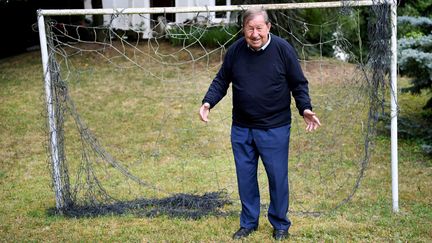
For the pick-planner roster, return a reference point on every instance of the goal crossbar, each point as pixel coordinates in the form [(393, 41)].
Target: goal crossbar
[(194, 9)]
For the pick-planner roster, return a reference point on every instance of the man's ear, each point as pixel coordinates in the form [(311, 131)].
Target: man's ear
[(269, 25)]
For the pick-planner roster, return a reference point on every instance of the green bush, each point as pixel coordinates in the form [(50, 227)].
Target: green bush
[(213, 36), (415, 62), (415, 55)]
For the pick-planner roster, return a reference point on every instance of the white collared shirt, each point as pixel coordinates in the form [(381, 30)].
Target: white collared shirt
[(264, 46)]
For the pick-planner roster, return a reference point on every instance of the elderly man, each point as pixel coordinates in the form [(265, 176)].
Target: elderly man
[(264, 72)]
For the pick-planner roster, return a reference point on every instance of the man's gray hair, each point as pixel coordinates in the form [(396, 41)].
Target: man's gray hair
[(252, 12)]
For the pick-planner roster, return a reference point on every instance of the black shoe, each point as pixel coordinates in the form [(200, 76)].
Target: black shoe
[(280, 234), (242, 233)]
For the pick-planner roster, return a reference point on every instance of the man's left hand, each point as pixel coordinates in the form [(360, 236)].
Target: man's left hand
[(311, 120)]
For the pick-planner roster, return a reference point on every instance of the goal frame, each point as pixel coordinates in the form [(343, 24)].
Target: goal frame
[(53, 136)]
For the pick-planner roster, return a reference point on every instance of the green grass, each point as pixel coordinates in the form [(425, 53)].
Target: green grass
[(152, 125)]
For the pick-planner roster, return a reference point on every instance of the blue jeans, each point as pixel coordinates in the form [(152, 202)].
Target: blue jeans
[(271, 145)]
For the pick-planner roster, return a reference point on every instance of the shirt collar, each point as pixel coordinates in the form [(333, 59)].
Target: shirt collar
[(264, 46)]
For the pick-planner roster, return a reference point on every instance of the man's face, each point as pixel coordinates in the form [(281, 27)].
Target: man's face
[(256, 32)]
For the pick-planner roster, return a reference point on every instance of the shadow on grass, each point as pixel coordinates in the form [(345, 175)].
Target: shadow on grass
[(187, 206)]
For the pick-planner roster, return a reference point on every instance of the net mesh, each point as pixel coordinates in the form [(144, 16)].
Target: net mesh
[(129, 139)]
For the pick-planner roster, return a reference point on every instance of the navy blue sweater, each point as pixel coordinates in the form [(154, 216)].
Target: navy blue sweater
[(262, 84)]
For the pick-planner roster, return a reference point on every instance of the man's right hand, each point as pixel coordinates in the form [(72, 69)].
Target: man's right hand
[(204, 112)]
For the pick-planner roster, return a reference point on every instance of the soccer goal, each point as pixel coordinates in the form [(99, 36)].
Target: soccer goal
[(122, 100)]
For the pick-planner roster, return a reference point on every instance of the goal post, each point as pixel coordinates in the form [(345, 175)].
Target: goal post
[(53, 144), (394, 108), (54, 150)]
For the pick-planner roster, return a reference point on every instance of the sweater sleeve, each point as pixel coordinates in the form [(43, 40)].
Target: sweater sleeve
[(297, 81), (220, 84)]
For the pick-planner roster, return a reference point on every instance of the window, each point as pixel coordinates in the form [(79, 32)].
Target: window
[(221, 15)]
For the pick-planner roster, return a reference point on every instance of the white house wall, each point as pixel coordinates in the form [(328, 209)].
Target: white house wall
[(182, 17), (136, 22), (142, 22)]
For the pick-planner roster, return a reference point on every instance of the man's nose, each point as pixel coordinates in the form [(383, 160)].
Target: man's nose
[(255, 33)]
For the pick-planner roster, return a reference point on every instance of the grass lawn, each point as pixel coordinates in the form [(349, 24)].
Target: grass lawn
[(147, 118)]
